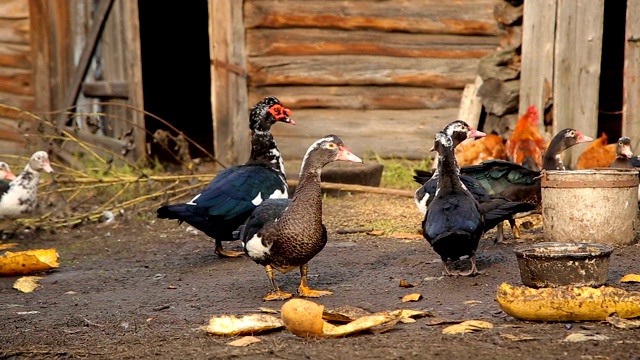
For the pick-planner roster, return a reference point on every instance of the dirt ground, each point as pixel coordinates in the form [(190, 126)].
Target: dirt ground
[(141, 289)]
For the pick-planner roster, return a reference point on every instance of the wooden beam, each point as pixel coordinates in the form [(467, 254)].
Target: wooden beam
[(106, 89), (631, 95), (538, 39), (93, 36), (229, 97), (578, 52)]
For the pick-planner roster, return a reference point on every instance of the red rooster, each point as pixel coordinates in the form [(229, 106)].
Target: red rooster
[(526, 145)]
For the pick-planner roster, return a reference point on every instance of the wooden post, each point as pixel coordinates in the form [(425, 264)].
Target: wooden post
[(229, 97), (577, 69), (538, 39), (631, 95)]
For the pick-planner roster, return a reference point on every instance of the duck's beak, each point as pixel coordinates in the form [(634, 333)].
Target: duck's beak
[(10, 175), (473, 133), (46, 166), (583, 138), (347, 155), (626, 151)]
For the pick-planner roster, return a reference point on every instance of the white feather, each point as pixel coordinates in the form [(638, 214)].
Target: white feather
[(255, 249)]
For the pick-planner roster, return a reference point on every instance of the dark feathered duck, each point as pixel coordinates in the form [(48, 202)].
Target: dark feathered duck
[(284, 234), (228, 200), (20, 197), (495, 209), (454, 222), (623, 154)]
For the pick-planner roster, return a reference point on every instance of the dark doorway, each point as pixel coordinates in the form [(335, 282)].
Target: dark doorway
[(176, 77), (611, 70)]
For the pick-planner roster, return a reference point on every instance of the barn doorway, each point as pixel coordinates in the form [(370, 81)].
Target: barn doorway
[(612, 70), (174, 41)]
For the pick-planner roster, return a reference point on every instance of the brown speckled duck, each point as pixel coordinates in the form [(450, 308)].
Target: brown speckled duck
[(284, 234)]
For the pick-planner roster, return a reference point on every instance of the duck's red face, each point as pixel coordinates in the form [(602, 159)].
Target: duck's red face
[(281, 113)]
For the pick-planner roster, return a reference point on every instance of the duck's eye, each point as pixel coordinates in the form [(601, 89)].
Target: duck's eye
[(332, 146), (572, 133)]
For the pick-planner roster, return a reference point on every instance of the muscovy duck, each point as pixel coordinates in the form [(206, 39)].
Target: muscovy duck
[(20, 198), (6, 176), (284, 234), (459, 131), (516, 182), (228, 200), (454, 222), (623, 154)]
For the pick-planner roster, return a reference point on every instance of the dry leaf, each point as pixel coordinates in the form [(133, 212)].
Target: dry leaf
[(409, 313), (249, 324), (518, 337), (467, 327), (620, 323), (584, 336), (344, 314), (406, 236), (268, 310), (405, 284), (376, 232), (472, 302), (442, 321), (630, 278), (25, 262), (244, 341), (27, 284), (411, 297)]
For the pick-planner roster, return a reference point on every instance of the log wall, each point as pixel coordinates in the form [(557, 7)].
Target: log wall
[(385, 75)]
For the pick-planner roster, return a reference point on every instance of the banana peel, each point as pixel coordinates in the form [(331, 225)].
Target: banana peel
[(567, 303), (27, 262)]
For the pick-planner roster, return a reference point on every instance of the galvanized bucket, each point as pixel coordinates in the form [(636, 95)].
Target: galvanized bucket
[(592, 206)]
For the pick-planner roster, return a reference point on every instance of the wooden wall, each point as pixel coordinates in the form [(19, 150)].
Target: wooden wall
[(16, 75), (384, 75)]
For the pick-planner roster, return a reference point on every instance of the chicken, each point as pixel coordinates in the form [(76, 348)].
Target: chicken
[(526, 145), (473, 152), (599, 154)]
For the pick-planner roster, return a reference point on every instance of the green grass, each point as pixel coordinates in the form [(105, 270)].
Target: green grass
[(398, 173)]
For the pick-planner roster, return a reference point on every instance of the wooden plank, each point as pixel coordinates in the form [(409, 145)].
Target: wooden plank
[(267, 42), (229, 97), (106, 89), (23, 102), (361, 70), (577, 69), (471, 17), (471, 104), (536, 71), (14, 31), (359, 97), (15, 55), (14, 9), (388, 133), (631, 95), (17, 81)]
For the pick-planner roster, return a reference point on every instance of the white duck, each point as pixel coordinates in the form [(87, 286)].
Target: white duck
[(19, 199)]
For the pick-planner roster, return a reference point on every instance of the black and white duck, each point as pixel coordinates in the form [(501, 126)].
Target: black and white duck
[(20, 197), (228, 200), (284, 234), (454, 223), (6, 177), (623, 154)]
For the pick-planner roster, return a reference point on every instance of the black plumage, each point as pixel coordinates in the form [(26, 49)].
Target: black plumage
[(623, 154), (454, 222), (228, 200), (285, 234)]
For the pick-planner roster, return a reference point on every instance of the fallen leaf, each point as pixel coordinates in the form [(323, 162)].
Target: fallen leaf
[(249, 324), (376, 232), (409, 313), (442, 321), (407, 320), (518, 337), (411, 297), (630, 278), (344, 314), (27, 284), (71, 292), (244, 341), (467, 327), (25, 262), (584, 336), (405, 284), (472, 302), (620, 323), (406, 236), (268, 310)]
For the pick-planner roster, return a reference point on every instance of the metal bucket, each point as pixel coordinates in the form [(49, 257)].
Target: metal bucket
[(591, 206)]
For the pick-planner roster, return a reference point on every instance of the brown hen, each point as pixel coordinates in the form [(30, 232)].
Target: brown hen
[(599, 154), (526, 145), (475, 151)]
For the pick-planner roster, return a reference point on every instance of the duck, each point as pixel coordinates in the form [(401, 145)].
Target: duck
[(20, 197), (453, 224), (623, 154), (284, 234), (495, 209), (228, 200), (518, 183), (6, 177)]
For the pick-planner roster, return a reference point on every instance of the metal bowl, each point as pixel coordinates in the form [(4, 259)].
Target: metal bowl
[(552, 264)]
